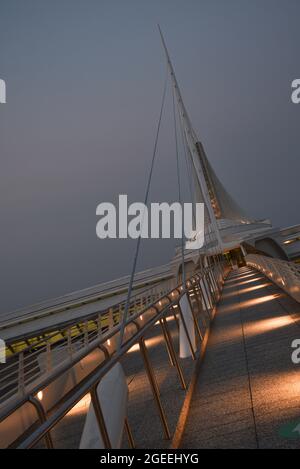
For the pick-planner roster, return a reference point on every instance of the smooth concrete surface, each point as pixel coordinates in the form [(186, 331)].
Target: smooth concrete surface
[(248, 389)]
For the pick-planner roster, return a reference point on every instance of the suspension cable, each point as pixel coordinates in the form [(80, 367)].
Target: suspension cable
[(137, 248)]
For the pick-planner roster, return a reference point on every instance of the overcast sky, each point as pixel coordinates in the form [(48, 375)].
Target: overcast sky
[(84, 82)]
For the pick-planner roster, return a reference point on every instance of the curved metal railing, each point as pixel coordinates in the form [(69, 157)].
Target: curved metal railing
[(22, 368), (42, 370), (285, 274)]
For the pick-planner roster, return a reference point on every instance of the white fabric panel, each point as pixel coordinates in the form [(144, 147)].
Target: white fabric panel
[(113, 397)]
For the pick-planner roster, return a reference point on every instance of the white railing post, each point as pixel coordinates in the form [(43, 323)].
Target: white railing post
[(184, 345)]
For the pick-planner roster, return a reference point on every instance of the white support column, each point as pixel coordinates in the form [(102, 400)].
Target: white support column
[(185, 350), (113, 398)]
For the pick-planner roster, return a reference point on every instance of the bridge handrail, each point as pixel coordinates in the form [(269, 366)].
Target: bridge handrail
[(85, 317), (285, 274), (27, 357), (66, 304), (160, 306), (83, 339)]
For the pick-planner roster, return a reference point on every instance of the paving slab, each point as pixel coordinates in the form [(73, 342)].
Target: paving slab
[(248, 389)]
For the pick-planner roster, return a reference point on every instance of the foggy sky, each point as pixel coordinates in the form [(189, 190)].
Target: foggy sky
[(84, 82)]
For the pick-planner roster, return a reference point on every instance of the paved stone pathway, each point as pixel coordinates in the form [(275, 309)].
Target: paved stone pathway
[(248, 390)]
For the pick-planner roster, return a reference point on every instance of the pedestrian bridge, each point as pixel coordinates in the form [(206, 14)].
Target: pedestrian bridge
[(247, 393), (192, 354), (237, 388)]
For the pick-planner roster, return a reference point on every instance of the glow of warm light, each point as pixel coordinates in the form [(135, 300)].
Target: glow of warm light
[(81, 407), (258, 301), (149, 343), (134, 348), (246, 290), (288, 241), (169, 318), (241, 277), (256, 279), (240, 284), (255, 287), (40, 395), (141, 318), (267, 325), (249, 303), (108, 342), (256, 328)]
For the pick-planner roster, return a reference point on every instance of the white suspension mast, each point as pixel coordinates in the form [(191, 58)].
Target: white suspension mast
[(191, 140)]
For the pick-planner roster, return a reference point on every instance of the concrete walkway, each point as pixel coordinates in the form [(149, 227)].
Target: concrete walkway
[(248, 390)]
